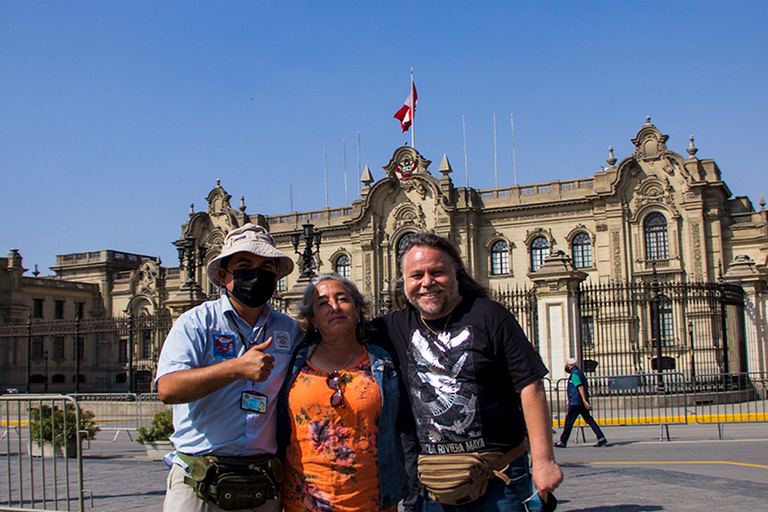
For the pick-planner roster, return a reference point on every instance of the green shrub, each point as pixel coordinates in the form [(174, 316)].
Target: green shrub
[(160, 430), (46, 425)]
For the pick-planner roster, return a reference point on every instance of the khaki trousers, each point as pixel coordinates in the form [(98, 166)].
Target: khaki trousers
[(180, 497)]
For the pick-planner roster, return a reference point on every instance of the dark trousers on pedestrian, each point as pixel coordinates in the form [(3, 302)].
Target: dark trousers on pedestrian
[(574, 411)]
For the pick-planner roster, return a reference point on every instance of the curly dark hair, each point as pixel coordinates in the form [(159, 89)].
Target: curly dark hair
[(468, 287)]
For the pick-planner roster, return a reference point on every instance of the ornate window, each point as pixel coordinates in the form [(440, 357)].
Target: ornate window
[(281, 285), (656, 244), (343, 267), (500, 258), (401, 244), (582, 251), (666, 323), (539, 251)]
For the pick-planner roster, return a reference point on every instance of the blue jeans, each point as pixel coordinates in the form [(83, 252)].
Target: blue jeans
[(498, 497)]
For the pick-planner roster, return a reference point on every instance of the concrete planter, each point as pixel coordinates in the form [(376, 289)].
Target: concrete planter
[(156, 450), (48, 450)]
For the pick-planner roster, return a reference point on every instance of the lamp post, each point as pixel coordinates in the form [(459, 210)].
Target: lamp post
[(311, 239), (190, 257), (656, 329)]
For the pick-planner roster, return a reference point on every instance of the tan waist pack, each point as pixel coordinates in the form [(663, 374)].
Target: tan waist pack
[(461, 478)]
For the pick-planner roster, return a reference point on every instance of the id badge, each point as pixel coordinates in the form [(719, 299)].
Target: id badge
[(253, 402)]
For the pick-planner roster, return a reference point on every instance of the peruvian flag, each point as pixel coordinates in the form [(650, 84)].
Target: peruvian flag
[(405, 114)]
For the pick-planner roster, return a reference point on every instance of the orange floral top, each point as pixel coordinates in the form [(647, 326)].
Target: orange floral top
[(330, 463)]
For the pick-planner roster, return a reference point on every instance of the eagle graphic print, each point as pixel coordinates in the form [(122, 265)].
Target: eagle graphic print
[(443, 390)]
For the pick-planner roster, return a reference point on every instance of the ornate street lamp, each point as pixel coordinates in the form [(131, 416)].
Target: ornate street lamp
[(311, 239), (190, 256)]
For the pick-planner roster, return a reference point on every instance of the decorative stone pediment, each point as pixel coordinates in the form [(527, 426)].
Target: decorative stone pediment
[(145, 279), (218, 200), (649, 143), (408, 215), (405, 163)]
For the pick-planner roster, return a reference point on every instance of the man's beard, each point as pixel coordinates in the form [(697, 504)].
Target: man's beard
[(436, 309)]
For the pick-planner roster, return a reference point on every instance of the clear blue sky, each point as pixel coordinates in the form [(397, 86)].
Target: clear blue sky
[(115, 116)]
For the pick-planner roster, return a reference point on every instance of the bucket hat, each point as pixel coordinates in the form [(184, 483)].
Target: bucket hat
[(254, 239)]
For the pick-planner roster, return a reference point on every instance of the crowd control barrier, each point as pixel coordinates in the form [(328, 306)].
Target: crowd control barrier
[(41, 457)]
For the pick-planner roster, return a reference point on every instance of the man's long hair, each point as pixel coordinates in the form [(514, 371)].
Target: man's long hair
[(468, 287)]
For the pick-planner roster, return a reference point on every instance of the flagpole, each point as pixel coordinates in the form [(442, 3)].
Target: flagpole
[(413, 114), (495, 156), (466, 167), (325, 156), (358, 165), (514, 162), (346, 198)]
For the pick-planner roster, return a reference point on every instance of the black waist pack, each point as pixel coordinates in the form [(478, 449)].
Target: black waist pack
[(233, 483)]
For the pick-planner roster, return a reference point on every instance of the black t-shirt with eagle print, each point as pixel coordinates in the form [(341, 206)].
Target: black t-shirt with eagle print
[(464, 381)]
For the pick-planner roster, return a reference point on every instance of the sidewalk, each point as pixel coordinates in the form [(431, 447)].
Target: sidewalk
[(636, 472)]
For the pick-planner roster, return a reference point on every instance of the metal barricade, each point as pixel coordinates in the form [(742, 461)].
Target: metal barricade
[(641, 399), (113, 412), (43, 464), (149, 405), (730, 398)]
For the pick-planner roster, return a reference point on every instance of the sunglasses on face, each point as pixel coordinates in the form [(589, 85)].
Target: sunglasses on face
[(333, 381)]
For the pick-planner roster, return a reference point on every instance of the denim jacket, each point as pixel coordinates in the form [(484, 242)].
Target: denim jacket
[(390, 459)]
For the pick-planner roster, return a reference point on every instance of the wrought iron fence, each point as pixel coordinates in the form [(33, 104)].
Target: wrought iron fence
[(637, 328), (523, 305), (95, 355)]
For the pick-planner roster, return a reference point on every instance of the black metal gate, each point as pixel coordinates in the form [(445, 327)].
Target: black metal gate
[(645, 327)]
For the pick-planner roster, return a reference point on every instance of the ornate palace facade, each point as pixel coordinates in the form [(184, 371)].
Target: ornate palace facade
[(656, 214)]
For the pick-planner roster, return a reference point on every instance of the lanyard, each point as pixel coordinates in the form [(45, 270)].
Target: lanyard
[(245, 339)]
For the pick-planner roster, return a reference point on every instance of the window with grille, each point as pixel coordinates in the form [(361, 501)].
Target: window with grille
[(656, 244), (58, 347), (147, 345), (587, 331), (539, 251), (37, 347), (582, 251), (666, 324), (122, 352), (500, 258), (343, 267), (37, 308)]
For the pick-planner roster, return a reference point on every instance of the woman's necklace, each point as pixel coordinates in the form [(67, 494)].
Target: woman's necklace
[(351, 356)]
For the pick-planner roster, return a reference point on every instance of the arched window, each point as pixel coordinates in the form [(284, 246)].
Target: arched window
[(342, 266), (656, 245), (582, 251), (539, 251), (401, 244), (500, 258)]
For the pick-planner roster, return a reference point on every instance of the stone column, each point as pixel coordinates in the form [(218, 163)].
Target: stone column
[(557, 293), (743, 271)]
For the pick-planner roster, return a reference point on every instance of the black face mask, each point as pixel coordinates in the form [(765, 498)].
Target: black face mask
[(254, 286), (568, 369)]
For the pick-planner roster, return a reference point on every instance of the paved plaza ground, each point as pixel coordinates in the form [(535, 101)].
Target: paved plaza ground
[(636, 472)]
